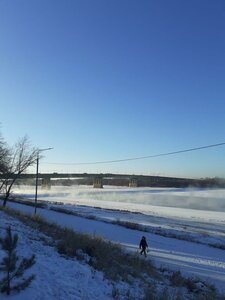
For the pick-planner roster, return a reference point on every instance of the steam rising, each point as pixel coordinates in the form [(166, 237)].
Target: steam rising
[(118, 197)]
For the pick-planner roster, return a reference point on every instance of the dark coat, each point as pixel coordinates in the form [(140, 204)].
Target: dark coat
[(143, 244)]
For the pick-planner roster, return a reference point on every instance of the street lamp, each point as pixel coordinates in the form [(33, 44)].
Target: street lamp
[(39, 150)]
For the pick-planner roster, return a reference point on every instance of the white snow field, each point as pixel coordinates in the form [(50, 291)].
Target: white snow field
[(185, 230), (55, 276)]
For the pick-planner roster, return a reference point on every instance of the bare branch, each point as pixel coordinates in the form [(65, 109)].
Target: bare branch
[(21, 157)]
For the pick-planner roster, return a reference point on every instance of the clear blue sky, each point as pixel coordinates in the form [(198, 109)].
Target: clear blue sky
[(103, 80)]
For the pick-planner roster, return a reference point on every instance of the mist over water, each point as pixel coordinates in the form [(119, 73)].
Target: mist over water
[(120, 197)]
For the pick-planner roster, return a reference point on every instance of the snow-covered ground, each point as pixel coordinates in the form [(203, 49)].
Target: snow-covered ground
[(56, 277), (191, 214), (196, 217)]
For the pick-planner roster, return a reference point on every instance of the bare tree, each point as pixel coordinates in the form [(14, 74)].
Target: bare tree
[(4, 152), (4, 160), (20, 158)]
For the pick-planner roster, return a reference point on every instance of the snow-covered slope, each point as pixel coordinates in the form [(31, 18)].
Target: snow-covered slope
[(189, 252)]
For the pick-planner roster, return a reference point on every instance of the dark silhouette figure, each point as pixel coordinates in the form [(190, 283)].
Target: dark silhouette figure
[(143, 245)]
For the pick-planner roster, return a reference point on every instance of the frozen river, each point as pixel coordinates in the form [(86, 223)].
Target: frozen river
[(204, 204)]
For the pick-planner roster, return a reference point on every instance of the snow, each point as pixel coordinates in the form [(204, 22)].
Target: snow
[(192, 254), (56, 277)]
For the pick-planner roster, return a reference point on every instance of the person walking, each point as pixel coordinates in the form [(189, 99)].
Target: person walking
[(143, 245)]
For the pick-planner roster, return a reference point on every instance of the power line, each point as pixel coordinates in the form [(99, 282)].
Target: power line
[(141, 157)]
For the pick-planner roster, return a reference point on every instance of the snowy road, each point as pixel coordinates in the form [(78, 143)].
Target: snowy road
[(190, 258)]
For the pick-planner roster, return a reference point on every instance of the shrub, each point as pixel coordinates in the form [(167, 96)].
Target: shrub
[(176, 279), (105, 256), (9, 265)]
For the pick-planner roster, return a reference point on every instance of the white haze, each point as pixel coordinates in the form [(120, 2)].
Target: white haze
[(181, 201)]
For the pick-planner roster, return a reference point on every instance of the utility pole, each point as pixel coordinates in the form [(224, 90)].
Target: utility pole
[(36, 186)]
